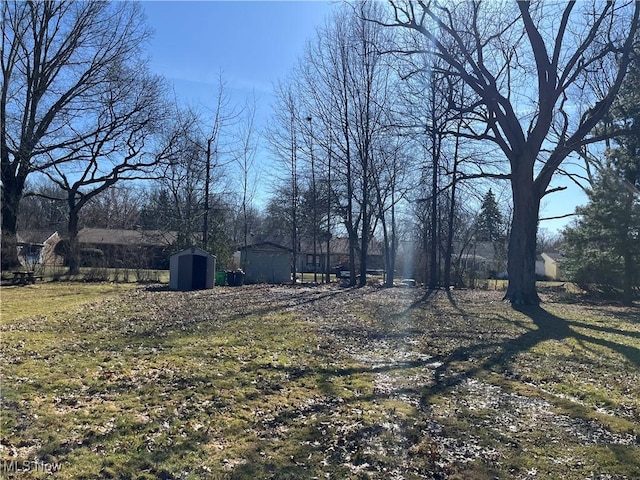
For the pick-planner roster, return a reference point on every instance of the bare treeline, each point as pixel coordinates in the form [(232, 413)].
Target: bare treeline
[(390, 130)]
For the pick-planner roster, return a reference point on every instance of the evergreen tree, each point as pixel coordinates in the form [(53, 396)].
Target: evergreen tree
[(604, 245), (490, 224)]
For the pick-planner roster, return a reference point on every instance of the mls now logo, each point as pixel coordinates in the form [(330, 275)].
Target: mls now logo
[(15, 465)]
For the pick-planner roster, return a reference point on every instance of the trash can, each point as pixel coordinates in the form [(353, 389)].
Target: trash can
[(231, 278), (238, 278), (221, 278)]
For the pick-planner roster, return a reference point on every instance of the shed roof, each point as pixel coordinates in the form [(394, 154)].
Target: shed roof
[(193, 251), (266, 246), (554, 256)]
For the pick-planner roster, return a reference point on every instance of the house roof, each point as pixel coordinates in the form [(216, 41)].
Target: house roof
[(105, 236), (555, 256), (37, 237), (484, 250)]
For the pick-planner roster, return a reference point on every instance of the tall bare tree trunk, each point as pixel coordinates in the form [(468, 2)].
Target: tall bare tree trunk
[(73, 258), (11, 195), (451, 219), (522, 242)]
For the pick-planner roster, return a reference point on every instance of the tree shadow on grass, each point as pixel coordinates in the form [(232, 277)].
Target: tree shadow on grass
[(552, 327), (220, 308), (310, 430), (549, 327)]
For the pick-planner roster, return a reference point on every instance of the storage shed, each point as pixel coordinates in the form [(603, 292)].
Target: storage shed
[(192, 269), (266, 262)]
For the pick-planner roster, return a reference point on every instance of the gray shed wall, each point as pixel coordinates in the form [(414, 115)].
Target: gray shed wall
[(267, 267)]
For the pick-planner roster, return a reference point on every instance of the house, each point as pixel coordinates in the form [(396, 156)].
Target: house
[(130, 248), (549, 265), (338, 255), (265, 262), (37, 247), (482, 259)]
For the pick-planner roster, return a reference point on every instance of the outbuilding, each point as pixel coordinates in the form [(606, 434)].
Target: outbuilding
[(192, 269), (266, 262)]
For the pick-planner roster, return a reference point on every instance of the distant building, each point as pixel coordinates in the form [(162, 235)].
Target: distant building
[(549, 265), (482, 259), (37, 247), (306, 262), (338, 255), (265, 262), (130, 248)]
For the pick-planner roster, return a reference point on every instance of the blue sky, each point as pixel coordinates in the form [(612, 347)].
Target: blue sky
[(255, 44), (252, 44)]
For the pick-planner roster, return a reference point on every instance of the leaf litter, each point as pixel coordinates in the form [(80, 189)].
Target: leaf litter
[(366, 383)]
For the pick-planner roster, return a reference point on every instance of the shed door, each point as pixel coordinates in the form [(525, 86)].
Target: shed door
[(199, 272)]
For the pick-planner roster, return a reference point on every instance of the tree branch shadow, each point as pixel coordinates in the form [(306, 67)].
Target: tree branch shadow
[(549, 327)]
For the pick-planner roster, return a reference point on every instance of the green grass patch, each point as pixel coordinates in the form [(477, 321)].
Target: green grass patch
[(261, 382), (48, 298)]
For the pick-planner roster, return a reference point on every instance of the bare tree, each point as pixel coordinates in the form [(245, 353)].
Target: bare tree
[(179, 190), (346, 85), (133, 110), (390, 179), (218, 152), (529, 66), (425, 115), (116, 207), (283, 135), (38, 211), (324, 81), (58, 59), (245, 160)]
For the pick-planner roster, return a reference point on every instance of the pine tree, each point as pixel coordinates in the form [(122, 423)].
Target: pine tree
[(604, 245), (490, 224)]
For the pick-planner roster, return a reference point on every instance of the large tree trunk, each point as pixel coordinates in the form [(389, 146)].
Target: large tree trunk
[(522, 244), (627, 298), (11, 194), (73, 260)]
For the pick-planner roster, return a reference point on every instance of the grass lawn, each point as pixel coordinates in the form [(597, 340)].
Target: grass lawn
[(280, 382), (53, 299)]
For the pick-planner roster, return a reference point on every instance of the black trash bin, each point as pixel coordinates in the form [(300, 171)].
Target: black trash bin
[(238, 278), (235, 278)]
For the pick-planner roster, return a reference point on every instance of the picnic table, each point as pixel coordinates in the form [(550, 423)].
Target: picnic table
[(24, 277)]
